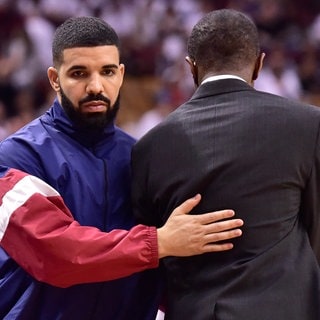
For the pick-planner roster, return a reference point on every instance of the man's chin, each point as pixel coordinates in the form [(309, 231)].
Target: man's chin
[(94, 114), (94, 120)]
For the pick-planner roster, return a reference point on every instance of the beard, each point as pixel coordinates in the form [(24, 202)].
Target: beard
[(93, 121)]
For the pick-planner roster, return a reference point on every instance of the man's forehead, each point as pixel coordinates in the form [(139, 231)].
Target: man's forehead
[(108, 54)]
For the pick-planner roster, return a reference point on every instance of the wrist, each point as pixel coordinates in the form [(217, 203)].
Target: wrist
[(161, 247)]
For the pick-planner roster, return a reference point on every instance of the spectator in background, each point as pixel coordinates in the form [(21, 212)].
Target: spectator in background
[(15, 50), (147, 25), (279, 74)]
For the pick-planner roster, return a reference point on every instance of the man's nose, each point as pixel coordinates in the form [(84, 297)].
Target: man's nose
[(94, 85)]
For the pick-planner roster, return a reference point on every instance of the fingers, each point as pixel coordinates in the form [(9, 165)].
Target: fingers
[(222, 236), (210, 217), (223, 225), (213, 240), (187, 205), (186, 235), (213, 244), (217, 247)]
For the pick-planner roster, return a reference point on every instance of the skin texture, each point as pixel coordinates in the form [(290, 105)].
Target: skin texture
[(90, 71)]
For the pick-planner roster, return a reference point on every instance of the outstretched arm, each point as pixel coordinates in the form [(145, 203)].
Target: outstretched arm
[(187, 235), (38, 231)]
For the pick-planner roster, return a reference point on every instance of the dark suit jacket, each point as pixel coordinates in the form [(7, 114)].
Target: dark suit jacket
[(258, 154)]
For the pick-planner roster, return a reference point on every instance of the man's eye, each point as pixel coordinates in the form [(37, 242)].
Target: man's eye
[(78, 74), (109, 72)]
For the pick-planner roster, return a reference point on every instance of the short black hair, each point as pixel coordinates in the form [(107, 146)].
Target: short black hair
[(82, 32), (224, 39)]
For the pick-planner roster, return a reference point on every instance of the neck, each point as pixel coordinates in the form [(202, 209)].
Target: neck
[(244, 74)]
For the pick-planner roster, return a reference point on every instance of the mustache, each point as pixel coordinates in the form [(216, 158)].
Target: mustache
[(95, 97)]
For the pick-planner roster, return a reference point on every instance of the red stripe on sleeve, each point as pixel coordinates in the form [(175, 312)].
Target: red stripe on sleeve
[(44, 239)]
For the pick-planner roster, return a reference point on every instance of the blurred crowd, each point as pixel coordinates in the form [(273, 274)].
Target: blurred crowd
[(153, 34)]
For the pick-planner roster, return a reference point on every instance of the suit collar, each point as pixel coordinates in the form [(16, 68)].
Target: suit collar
[(221, 87)]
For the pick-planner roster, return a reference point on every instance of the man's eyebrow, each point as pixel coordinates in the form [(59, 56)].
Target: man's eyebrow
[(76, 67), (110, 66), (81, 67)]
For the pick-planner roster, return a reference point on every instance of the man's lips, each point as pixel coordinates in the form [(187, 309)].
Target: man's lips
[(94, 106)]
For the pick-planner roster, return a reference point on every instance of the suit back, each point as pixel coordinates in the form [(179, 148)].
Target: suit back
[(258, 154)]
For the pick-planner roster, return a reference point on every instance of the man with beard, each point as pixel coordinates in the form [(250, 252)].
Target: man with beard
[(54, 266)]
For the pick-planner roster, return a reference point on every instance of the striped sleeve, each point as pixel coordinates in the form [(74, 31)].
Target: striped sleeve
[(38, 231)]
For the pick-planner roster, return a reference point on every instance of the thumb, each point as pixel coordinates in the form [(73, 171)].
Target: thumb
[(186, 206)]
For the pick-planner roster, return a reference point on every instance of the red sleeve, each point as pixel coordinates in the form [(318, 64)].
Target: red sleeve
[(39, 233)]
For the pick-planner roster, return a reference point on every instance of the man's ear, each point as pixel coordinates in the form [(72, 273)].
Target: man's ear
[(53, 78), (258, 66), (193, 69)]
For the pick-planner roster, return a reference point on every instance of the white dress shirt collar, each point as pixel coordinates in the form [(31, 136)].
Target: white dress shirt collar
[(220, 77)]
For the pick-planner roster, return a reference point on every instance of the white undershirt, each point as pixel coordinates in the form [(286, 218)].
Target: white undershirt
[(222, 76)]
